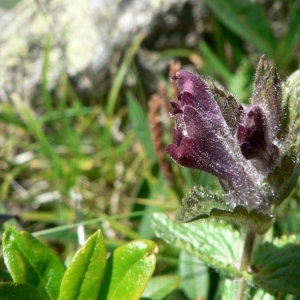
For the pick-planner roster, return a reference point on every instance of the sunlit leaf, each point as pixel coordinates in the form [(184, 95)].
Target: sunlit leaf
[(128, 270), (83, 278), (30, 261)]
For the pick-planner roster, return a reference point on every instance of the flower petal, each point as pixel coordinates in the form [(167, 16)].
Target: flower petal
[(194, 85)]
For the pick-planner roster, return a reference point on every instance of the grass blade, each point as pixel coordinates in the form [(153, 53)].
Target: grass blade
[(247, 20)]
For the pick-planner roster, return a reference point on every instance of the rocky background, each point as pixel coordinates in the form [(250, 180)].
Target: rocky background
[(86, 40)]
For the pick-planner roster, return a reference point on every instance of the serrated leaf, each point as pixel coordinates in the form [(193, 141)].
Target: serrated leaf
[(253, 220), (17, 291), (277, 268), (160, 286), (195, 276), (83, 278), (216, 244), (30, 261), (128, 270), (199, 204)]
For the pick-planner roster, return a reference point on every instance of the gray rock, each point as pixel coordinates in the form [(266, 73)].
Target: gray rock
[(82, 38)]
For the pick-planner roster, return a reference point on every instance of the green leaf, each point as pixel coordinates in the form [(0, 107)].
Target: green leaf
[(247, 20), (277, 268), (30, 261), (195, 276), (199, 204), (216, 244), (83, 278), (17, 291), (128, 270), (160, 286)]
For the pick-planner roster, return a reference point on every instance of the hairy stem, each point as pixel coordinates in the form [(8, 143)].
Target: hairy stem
[(247, 251)]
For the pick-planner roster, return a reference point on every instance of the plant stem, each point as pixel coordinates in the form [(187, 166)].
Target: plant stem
[(247, 251)]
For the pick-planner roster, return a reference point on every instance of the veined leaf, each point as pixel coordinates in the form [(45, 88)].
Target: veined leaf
[(216, 244), (277, 268)]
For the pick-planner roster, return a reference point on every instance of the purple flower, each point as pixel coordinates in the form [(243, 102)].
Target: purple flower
[(253, 137), (245, 147), (202, 139)]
